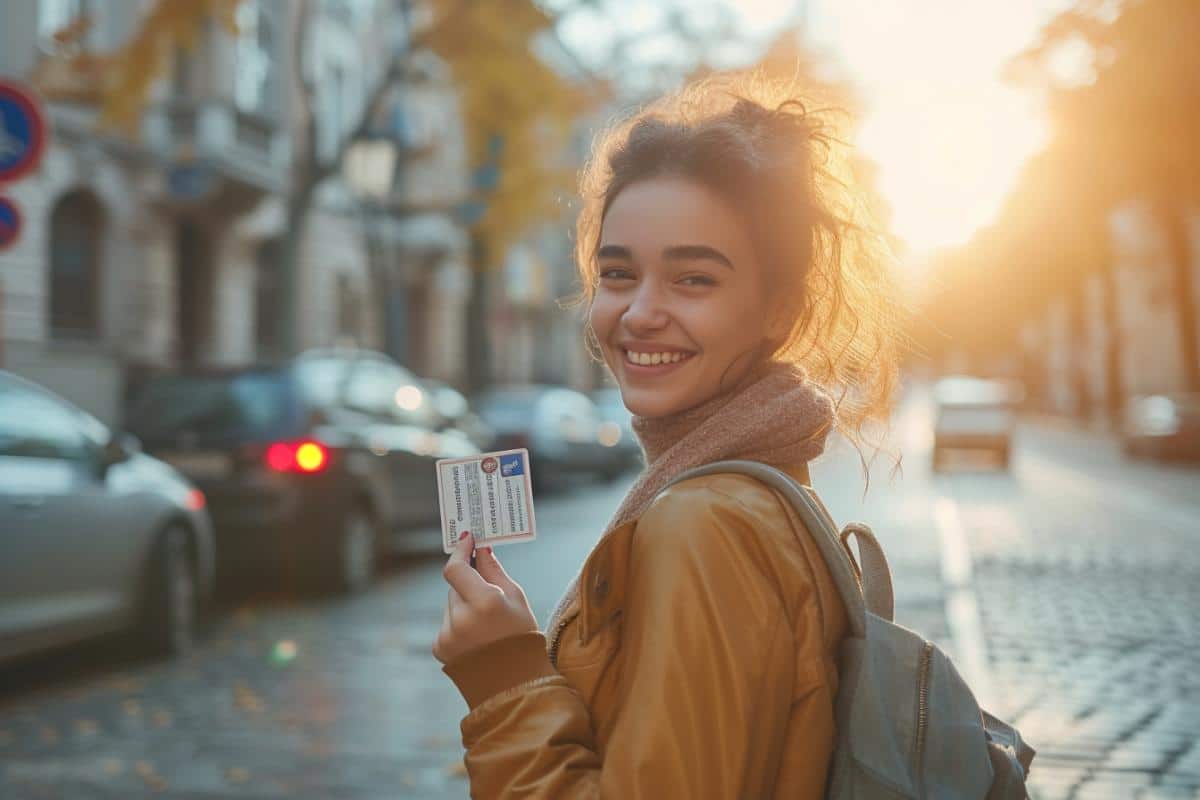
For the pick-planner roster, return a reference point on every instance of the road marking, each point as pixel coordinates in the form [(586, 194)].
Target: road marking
[(961, 602)]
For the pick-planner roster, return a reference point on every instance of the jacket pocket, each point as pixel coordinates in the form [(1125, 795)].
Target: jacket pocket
[(592, 667)]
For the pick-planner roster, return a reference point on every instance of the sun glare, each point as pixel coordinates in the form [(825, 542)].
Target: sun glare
[(948, 135)]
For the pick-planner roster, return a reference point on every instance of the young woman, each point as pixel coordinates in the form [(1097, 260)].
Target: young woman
[(732, 295)]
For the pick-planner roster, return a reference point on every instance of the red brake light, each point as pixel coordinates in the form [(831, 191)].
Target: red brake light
[(306, 456), (195, 500)]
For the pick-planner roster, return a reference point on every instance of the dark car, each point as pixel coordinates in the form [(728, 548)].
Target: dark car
[(95, 536), (560, 427), (455, 412), (1165, 426), (612, 410), (312, 467)]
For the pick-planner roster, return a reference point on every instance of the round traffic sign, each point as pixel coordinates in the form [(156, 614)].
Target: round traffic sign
[(22, 131), (10, 223)]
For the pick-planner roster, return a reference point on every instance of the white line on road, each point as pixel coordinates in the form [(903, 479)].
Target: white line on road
[(961, 602)]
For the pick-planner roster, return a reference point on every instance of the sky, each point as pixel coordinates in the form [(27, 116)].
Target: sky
[(948, 135)]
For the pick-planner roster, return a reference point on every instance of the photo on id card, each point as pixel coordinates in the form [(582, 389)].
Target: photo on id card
[(489, 495)]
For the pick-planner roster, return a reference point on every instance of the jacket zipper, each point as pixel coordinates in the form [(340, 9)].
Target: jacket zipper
[(557, 636), (926, 665)]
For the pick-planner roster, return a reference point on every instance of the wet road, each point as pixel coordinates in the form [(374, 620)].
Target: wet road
[(1066, 590)]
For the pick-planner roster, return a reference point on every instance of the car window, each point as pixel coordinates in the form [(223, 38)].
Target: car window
[(324, 381), (384, 390), (242, 406), (34, 424)]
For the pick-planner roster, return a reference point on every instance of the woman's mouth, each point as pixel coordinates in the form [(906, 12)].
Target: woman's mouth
[(653, 364)]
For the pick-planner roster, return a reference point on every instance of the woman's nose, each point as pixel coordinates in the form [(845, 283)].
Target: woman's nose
[(646, 311)]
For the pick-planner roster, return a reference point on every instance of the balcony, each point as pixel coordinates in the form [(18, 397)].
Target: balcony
[(216, 153)]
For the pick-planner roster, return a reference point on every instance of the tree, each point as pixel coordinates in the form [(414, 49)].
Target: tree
[(508, 92), (1130, 132)]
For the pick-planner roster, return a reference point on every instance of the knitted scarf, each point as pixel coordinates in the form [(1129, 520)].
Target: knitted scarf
[(778, 417)]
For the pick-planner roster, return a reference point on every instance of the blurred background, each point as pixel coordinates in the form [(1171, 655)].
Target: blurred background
[(263, 262)]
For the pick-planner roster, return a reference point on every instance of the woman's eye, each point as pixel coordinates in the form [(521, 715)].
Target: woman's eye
[(614, 273), (699, 280)]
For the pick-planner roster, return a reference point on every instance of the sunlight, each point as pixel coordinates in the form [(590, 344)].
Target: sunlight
[(949, 136)]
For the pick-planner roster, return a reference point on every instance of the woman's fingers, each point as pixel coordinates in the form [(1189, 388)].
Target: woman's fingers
[(489, 567), (469, 584)]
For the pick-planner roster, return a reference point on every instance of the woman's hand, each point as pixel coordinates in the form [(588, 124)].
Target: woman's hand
[(485, 605)]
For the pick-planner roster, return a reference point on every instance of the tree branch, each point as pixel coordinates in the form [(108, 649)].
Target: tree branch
[(306, 156), (379, 92)]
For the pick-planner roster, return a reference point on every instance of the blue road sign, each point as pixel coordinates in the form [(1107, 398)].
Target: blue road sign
[(10, 223), (22, 131)]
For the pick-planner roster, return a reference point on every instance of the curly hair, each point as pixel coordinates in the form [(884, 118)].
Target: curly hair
[(752, 141)]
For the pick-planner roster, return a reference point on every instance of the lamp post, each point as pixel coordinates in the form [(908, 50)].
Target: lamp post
[(370, 173)]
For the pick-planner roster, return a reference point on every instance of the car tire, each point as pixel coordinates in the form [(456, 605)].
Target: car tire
[(172, 614), (355, 552)]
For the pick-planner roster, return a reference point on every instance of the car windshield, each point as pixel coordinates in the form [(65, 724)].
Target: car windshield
[(971, 391), (239, 407)]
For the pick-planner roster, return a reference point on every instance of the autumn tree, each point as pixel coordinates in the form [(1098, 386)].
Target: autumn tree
[(1128, 129)]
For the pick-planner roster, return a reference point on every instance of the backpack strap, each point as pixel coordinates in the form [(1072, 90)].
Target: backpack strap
[(876, 575), (819, 525)]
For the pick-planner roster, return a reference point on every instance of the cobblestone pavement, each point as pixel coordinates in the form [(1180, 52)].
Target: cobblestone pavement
[(286, 698), (1085, 578), (1090, 599), (1083, 570)]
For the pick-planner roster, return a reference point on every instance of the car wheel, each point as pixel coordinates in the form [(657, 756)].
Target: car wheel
[(356, 552), (173, 608)]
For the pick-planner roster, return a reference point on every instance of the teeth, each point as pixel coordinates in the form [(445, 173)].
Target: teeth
[(649, 359)]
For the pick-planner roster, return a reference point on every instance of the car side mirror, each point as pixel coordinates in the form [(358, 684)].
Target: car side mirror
[(121, 447)]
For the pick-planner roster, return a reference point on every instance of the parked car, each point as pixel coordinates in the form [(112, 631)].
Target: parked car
[(974, 414), (313, 467), (612, 410), (455, 412), (560, 427), (1165, 426), (95, 536)]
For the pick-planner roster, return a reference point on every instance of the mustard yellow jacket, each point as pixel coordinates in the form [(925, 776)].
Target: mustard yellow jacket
[(700, 661)]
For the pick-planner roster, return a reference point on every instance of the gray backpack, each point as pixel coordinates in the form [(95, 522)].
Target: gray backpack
[(908, 726)]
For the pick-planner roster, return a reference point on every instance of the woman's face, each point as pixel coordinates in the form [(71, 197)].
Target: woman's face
[(678, 279)]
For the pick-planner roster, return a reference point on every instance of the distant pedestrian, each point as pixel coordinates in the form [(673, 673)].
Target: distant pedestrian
[(745, 310)]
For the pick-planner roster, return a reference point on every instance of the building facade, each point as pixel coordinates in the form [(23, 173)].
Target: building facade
[(163, 249)]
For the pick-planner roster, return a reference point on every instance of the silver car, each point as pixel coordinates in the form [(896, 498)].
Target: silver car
[(974, 414), (95, 536)]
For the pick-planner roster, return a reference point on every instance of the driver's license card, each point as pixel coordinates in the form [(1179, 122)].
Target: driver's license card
[(489, 495)]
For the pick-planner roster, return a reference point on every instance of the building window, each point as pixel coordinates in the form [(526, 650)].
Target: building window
[(76, 249), (253, 57)]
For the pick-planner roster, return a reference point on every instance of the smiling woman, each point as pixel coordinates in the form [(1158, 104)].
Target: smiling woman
[(744, 309), (723, 223)]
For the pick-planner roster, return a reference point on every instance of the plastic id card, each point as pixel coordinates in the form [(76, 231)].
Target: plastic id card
[(489, 495)]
